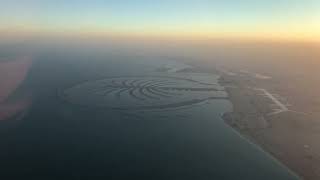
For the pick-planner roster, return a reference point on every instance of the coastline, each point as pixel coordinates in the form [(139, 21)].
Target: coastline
[(278, 135)]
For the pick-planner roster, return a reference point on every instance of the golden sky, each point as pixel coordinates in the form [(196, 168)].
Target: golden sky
[(248, 19)]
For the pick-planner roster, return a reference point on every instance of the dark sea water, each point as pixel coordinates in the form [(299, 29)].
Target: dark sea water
[(126, 117)]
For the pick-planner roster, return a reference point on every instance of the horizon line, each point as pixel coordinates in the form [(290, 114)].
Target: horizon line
[(154, 36)]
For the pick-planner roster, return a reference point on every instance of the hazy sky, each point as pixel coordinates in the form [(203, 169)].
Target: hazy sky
[(204, 18)]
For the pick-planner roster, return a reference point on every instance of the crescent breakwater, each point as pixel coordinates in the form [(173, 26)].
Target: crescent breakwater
[(158, 92)]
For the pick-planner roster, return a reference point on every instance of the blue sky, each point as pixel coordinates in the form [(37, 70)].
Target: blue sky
[(228, 16)]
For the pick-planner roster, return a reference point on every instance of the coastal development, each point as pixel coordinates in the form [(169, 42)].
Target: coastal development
[(277, 123), (279, 106)]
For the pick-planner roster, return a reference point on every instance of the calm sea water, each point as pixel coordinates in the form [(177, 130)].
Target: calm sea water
[(174, 132)]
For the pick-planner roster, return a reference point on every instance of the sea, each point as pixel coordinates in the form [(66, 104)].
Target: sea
[(123, 116)]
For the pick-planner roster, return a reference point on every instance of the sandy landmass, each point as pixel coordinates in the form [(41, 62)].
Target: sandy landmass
[(290, 133)]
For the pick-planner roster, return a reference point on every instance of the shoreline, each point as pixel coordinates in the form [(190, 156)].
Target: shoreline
[(277, 134)]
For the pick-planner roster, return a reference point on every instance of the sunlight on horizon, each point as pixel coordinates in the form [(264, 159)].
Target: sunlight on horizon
[(204, 19)]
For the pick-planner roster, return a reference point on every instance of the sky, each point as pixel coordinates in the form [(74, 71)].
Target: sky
[(273, 19)]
